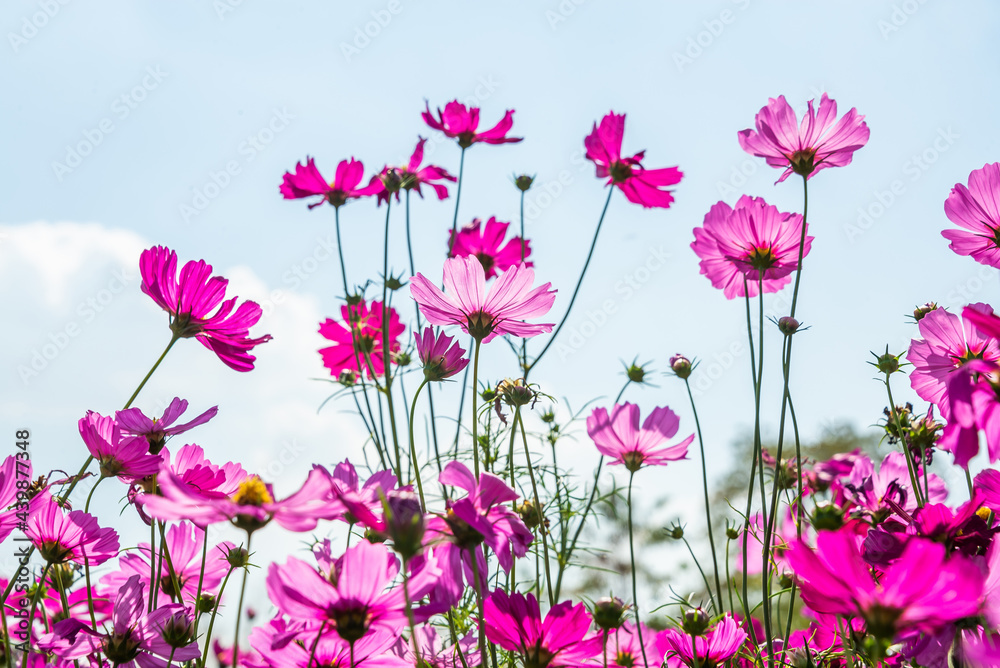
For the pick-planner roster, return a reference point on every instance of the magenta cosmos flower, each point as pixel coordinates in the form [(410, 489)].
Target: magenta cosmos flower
[(485, 243), (191, 469), (618, 436), (284, 644), (74, 536), (460, 122), (190, 300), (976, 208), (716, 646), (413, 176), (465, 301), (563, 639), (156, 431), (876, 493), (948, 342), (640, 185), (624, 650), (362, 503), (136, 638), (974, 406), (363, 346), (359, 601), (922, 591), (12, 470), (742, 245), (440, 355), (126, 457), (308, 182), (818, 142)]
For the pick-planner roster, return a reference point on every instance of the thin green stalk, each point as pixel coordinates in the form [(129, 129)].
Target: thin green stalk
[(576, 290), (475, 418), (386, 352), (694, 652), (409, 612), (635, 588), (704, 480), (802, 243), (211, 620), (312, 651), (538, 505), (476, 582), (413, 448), (170, 661), (201, 579), (708, 587), (239, 607), (759, 448), (524, 342), (894, 414), (458, 197)]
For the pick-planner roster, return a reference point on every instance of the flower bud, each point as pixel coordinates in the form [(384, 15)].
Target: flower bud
[(828, 517), (609, 612), (178, 631), (676, 532), (402, 358), (391, 179), (681, 366), (61, 577), (732, 533), (238, 557), (348, 378), (523, 182), (206, 603), (404, 523), (529, 514), (788, 325), (695, 622), (394, 283), (548, 417), (921, 311), (886, 363), (785, 581)]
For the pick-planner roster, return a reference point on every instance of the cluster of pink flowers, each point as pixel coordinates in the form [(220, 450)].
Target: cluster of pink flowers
[(447, 565)]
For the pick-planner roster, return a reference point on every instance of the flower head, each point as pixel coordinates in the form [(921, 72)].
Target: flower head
[(976, 208), (127, 457), (716, 646), (563, 638), (361, 341), (460, 122), (413, 176), (640, 185), (12, 470), (74, 536), (818, 142), (618, 435), (624, 650), (485, 243), (751, 242), (308, 182), (190, 300), (441, 356), (156, 431), (465, 301)]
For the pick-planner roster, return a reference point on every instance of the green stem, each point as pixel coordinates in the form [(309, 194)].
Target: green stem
[(211, 620), (802, 244), (538, 506), (708, 587), (312, 651), (239, 608), (576, 290), (458, 197), (894, 414), (413, 448), (386, 352), (759, 448), (475, 418), (201, 579), (635, 588)]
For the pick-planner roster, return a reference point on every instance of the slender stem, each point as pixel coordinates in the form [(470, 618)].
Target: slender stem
[(708, 587), (476, 582), (802, 243), (968, 479), (538, 505), (576, 290), (409, 613), (635, 588), (759, 447), (753, 470), (352, 654), (894, 414), (564, 563), (153, 571), (524, 342), (312, 651), (458, 197), (729, 581), (211, 620), (239, 608), (201, 579), (173, 340), (413, 448), (386, 352), (704, 480), (475, 418), (694, 652), (170, 661)]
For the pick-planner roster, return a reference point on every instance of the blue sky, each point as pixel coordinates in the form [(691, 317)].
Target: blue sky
[(175, 98)]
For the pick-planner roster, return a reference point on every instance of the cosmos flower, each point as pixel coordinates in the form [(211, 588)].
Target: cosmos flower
[(741, 245), (413, 176), (12, 470), (818, 142), (460, 122), (875, 493), (716, 646), (308, 182), (365, 345), (640, 185), (976, 208), (624, 651), (74, 536), (618, 436), (465, 301), (441, 356), (285, 644), (362, 503), (563, 638), (126, 457), (190, 300), (156, 431), (485, 242)]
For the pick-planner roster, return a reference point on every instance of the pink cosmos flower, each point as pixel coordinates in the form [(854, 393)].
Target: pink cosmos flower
[(12, 470), (515, 624), (281, 644), (835, 579), (972, 402), (184, 545), (156, 431), (434, 653), (484, 243), (948, 342), (818, 142), (360, 599), (485, 315), (738, 246), (640, 185), (362, 503), (618, 436), (412, 176), (135, 639), (441, 356), (365, 345), (74, 536), (719, 644), (976, 208), (876, 493), (127, 457), (190, 301), (79, 604), (460, 122), (250, 507), (308, 182), (199, 475), (624, 651)]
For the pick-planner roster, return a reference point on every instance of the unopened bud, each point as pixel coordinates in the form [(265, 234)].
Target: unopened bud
[(681, 366), (238, 557), (523, 182), (609, 612), (404, 523), (921, 311), (695, 622), (788, 325)]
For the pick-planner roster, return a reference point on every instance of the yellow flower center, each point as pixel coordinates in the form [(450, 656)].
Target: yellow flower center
[(252, 492)]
